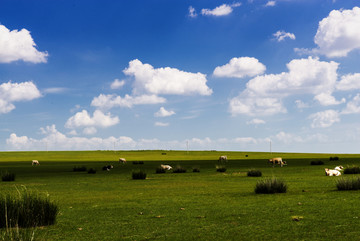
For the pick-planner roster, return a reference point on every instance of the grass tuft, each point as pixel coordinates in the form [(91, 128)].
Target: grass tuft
[(92, 171), (159, 170), (220, 168), (179, 169), (8, 177), (270, 186), (352, 170), (348, 184), (136, 175), (254, 173), (196, 169), (314, 163), (79, 169)]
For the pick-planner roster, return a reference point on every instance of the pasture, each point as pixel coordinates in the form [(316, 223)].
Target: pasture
[(205, 205)]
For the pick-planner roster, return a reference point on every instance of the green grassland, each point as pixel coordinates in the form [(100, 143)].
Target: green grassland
[(208, 205)]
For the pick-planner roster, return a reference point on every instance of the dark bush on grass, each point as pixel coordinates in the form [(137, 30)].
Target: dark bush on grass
[(137, 162), (138, 175), (92, 171), (270, 186), (179, 169), (196, 169), (8, 177), (348, 184), (316, 163), (220, 168), (159, 170), (79, 169), (352, 170), (334, 158), (26, 210), (254, 173)]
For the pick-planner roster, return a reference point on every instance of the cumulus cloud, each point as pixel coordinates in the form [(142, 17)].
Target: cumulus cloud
[(339, 33), (240, 67), (164, 113), (221, 10), (168, 81), (192, 12), (324, 119), (117, 84), (353, 106), (270, 4), (282, 35), (264, 94), (349, 82), (99, 119), (14, 92), (19, 45), (111, 101), (256, 122), (327, 99)]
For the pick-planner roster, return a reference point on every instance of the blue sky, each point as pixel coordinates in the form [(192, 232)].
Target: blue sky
[(213, 75)]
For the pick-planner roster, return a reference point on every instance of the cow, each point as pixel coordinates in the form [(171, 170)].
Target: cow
[(166, 167), (339, 168), (122, 160), (35, 163), (329, 172), (107, 168), (222, 159), (277, 160)]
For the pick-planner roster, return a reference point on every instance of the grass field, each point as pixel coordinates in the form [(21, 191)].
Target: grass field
[(208, 205)]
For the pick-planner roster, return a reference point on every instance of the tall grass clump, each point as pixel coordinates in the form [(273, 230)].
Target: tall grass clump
[(196, 169), (270, 186), (92, 171), (27, 209), (8, 177), (352, 170), (348, 184), (159, 170), (79, 169), (334, 158), (254, 173), (17, 234), (220, 168), (313, 163), (138, 175), (179, 169)]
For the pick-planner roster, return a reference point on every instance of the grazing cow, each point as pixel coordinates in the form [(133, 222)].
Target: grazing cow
[(223, 159), (122, 160), (339, 168), (166, 167), (35, 162), (277, 160), (329, 172)]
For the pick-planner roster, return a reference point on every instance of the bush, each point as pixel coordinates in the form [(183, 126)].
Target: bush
[(270, 186), (348, 184), (92, 171), (159, 170), (138, 175), (179, 169), (8, 177), (254, 173), (352, 170), (79, 169), (220, 168), (137, 162), (316, 163), (26, 210), (334, 158)]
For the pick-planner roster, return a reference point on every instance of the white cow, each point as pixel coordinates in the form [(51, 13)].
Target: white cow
[(35, 162), (166, 167), (330, 172), (223, 159), (122, 160), (339, 168)]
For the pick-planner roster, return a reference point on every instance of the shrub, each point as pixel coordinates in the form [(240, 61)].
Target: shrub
[(270, 186), (8, 177), (92, 171), (196, 169), (138, 174), (179, 169), (79, 169), (26, 210), (316, 163), (348, 184), (254, 173), (352, 170), (220, 168), (334, 158), (159, 169)]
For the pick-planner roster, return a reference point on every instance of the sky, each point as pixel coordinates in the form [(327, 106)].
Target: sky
[(250, 75)]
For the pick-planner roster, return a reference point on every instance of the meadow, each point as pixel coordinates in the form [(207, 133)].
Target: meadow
[(205, 205)]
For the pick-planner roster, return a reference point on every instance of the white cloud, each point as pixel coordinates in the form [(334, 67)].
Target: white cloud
[(168, 81), (19, 45), (353, 106), (192, 12), (164, 113), (256, 122), (327, 99), (264, 94), (221, 10), (54, 90), (301, 105), (111, 101), (270, 4), (117, 84), (349, 82), (324, 119), (240, 67), (89, 130), (158, 123), (282, 35), (339, 33), (99, 119), (14, 92)]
